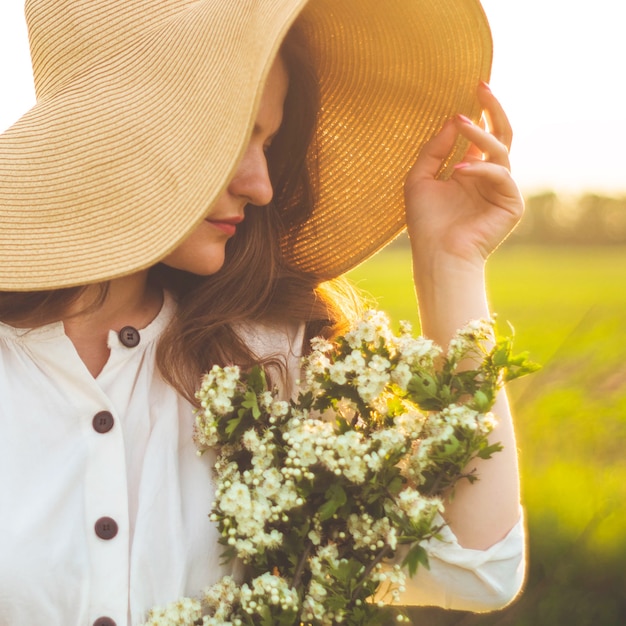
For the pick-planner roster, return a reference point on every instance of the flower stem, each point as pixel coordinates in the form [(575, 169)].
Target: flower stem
[(385, 552), (300, 568)]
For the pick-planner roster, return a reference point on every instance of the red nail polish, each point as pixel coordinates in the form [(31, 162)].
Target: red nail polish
[(464, 119)]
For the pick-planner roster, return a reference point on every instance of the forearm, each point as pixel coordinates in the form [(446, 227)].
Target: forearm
[(451, 293)]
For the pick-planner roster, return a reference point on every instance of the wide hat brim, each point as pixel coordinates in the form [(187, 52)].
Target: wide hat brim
[(124, 154)]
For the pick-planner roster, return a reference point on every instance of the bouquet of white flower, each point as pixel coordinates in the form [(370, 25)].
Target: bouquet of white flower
[(315, 495)]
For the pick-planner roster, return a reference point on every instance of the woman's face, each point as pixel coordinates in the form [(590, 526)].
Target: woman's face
[(202, 253)]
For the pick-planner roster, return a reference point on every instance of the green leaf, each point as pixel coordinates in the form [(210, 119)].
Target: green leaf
[(481, 401), (452, 446), (305, 400), (488, 451), (256, 379), (232, 425), (423, 390), (251, 402), (395, 485), (335, 498), (416, 556), (501, 354)]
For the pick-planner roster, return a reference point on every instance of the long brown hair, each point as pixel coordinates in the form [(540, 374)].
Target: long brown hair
[(36, 308), (255, 283)]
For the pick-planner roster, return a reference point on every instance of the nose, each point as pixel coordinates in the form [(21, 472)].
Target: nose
[(252, 180)]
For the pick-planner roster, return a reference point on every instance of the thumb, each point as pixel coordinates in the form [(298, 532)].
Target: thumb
[(433, 153)]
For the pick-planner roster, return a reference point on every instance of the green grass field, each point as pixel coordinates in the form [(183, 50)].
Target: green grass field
[(568, 308)]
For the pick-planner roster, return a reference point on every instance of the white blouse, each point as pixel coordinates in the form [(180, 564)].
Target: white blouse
[(104, 503)]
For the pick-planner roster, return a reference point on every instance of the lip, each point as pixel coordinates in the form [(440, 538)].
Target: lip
[(228, 225)]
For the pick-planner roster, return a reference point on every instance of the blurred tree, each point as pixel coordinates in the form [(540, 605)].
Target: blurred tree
[(591, 219)]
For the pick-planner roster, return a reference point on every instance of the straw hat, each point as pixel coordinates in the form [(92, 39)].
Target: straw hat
[(144, 108)]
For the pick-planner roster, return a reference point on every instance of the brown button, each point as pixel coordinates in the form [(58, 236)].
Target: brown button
[(106, 528), (104, 621), (129, 336), (103, 422)]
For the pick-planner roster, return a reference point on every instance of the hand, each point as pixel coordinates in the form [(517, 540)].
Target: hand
[(466, 217)]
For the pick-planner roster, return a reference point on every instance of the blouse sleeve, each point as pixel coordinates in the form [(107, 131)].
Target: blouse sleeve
[(469, 580)]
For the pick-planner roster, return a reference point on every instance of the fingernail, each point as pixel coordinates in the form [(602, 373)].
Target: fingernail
[(464, 119), (485, 85), (462, 165)]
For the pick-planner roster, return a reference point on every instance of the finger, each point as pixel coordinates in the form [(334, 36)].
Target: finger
[(487, 143), (473, 154), (498, 180), (497, 120), (434, 152)]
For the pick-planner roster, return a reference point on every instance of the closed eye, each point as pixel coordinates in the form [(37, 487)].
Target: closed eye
[(267, 144)]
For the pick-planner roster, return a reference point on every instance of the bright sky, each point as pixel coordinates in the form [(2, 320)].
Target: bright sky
[(558, 69)]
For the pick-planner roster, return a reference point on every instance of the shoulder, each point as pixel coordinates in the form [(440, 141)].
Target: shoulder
[(273, 339), (279, 343)]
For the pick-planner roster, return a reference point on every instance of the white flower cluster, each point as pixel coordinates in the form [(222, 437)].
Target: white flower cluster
[(391, 580), (220, 599), (215, 397), (315, 442), (370, 374), (467, 339), (268, 590), (372, 534), (250, 502), (372, 358), (410, 423), (315, 605), (355, 461), (417, 507), (437, 432), (372, 329), (414, 352), (180, 613)]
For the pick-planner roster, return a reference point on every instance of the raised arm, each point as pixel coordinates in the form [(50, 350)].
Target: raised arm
[(454, 225)]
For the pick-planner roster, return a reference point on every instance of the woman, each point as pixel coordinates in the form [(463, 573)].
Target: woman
[(175, 200)]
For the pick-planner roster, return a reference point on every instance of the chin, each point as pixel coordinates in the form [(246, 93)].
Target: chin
[(207, 268), (206, 271), (197, 267), (202, 263)]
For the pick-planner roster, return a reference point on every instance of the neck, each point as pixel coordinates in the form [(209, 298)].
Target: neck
[(129, 301)]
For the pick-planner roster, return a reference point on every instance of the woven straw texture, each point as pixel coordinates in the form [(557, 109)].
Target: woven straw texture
[(145, 107)]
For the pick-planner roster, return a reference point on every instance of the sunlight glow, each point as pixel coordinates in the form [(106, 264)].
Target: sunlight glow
[(556, 70)]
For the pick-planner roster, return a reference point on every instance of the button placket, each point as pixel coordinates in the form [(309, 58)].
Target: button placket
[(106, 508)]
